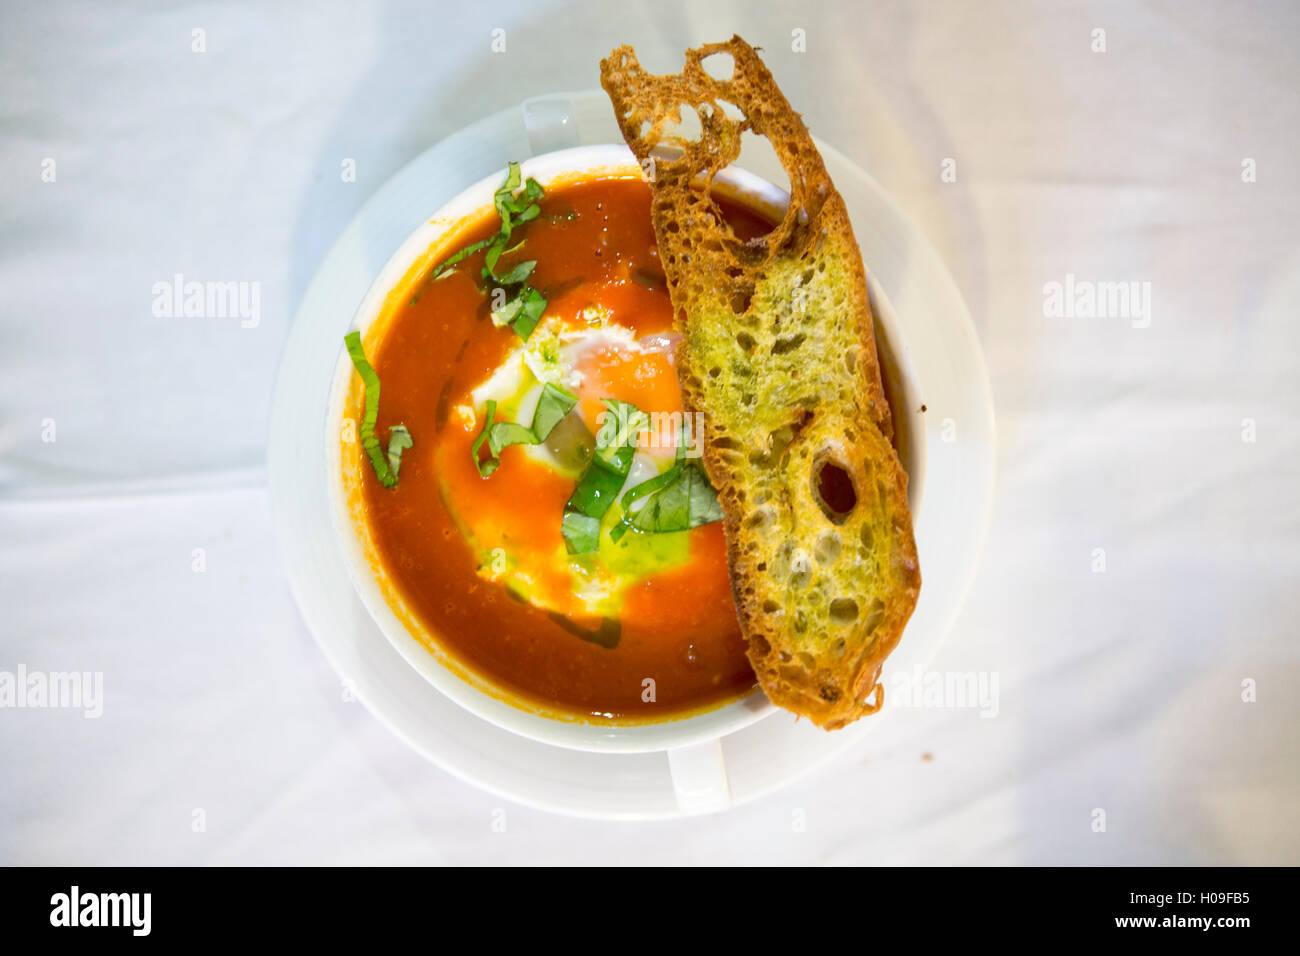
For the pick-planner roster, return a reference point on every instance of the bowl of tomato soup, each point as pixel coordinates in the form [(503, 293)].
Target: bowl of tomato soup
[(522, 510)]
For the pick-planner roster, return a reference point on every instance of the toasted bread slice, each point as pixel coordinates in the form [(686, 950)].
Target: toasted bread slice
[(779, 355)]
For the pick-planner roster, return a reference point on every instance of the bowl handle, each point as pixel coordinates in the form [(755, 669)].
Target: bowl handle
[(550, 123), (699, 773)]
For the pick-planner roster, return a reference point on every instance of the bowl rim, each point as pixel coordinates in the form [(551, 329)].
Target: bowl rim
[(477, 692)]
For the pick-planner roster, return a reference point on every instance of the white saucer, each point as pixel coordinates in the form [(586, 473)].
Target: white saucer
[(950, 526)]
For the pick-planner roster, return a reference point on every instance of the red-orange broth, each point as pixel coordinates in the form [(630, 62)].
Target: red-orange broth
[(594, 246)]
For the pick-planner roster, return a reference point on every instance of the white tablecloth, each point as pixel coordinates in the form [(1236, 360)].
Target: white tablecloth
[(1120, 690)]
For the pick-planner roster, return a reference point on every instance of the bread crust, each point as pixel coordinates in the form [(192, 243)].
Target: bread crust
[(779, 354)]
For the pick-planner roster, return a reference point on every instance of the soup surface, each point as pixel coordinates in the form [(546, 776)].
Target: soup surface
[(642, 628)]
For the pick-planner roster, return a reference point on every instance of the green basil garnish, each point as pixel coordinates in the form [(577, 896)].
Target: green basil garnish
[(603, 479), (679, 499), (582, 532), (630, 421), (398, 437), (524, 305), (485, 468), (519, 273), (515, 209), (552, 405), (522, 311), (686, 501), (460, 255)]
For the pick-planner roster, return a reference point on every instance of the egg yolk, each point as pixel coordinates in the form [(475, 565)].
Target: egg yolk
[(612, 370)]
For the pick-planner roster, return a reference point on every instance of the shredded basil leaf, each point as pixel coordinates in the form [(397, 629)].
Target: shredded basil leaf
[(494, 253), (508, 312), (512, 208), (505, 196), (399, 439), (519, 273), (522, 311), (629, 421), (552, 405), (596, 490), (460, 255), (485, 468), (581, 532), (685, 502), (515, 210), (679, 499), (603, 479), (532, 305), (648, 487), (525, 305), (370, 378)]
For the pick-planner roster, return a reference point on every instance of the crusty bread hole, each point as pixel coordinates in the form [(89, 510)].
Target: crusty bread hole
[(843, 611), (730, 110), (834, 490), (688, 128), (720, 66), (760, 519), (757, 153), (741, 298), (789, 343), (800, 569), (828, 546)]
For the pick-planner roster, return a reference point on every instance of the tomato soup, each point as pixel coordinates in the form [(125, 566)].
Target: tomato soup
[(642, 628)]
